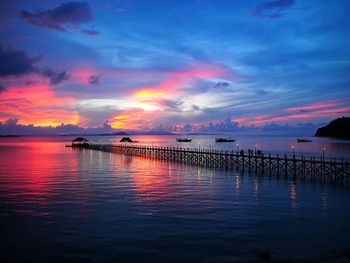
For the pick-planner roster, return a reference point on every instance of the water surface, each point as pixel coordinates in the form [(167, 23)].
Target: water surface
[(60, 204)]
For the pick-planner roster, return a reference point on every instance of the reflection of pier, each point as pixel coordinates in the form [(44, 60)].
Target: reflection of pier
[(332, 168)]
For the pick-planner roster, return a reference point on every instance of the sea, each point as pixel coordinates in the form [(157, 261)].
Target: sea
[(60, 204)]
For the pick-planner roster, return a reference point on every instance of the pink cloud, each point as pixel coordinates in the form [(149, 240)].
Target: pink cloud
[(37, 104), (284, 118), (315, 106)]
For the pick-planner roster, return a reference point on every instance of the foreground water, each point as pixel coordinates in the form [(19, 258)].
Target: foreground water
[(60, 204)]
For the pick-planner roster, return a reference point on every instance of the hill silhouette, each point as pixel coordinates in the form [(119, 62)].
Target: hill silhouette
[(338, 128)]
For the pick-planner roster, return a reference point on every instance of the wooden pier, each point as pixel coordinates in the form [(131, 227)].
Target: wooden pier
[(251, 161)]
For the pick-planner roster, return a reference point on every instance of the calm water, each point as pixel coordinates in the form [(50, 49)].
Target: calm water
[(60, 204)]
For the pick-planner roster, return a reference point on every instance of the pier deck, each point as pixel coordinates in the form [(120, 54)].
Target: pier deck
[(332, 168)]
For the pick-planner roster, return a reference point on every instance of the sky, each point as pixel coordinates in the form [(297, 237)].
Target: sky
[(174, 65)]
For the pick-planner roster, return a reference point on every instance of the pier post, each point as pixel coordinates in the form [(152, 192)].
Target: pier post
[(294, 165), (262, 163), (302, 166), (243, 162), (249, 160), (323, 170), (256, 164), (285, 165)]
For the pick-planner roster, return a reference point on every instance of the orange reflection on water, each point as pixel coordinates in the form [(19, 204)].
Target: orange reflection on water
[(41, 177), (293, 194), (237, 183), (150, 179)]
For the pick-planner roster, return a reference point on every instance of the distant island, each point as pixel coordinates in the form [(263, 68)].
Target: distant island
[(338, 128)]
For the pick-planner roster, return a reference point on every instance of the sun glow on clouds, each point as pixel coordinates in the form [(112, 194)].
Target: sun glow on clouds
[(150, 94), (38, 105), (150, 77), (170, 91), (133, 119), (307, 112)]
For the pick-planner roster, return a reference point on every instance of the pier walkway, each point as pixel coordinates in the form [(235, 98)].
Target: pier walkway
[(328, 168)]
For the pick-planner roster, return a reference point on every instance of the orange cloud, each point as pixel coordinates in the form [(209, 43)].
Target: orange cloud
[(38, 105), (134, 119)]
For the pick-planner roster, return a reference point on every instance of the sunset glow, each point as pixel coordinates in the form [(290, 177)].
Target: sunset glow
[(234, 64)]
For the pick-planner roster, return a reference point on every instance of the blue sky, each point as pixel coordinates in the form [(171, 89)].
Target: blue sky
[(142, 64)]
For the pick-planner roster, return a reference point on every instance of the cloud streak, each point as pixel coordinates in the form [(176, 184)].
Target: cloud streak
[(55, 76), (66, 15), (272, 9), (94, 79), (315, 106)]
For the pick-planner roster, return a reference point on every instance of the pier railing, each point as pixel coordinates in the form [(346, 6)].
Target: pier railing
[(242, 161)]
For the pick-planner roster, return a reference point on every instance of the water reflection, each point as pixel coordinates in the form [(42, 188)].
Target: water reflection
[(35, 177), (237, 183), (88, 201), (293, 194), (256, 188), (324, 200), (149, 181)]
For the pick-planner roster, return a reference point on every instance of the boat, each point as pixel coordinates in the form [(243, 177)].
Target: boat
[(224, 140), (126, 139), (304, 140), (183, 140)]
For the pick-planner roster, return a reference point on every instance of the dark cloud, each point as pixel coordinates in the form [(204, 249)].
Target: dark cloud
[(259, 53), (55, 76), (90, 32), (222, 84), (202, 86), (167, 103), (95, 79), (15, 62), (69, 14), (195, 108), (272, 9), (172, 104)]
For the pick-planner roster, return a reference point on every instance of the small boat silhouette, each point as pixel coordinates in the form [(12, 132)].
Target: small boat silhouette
[(304, 140), (183, 140), (224, 140)]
